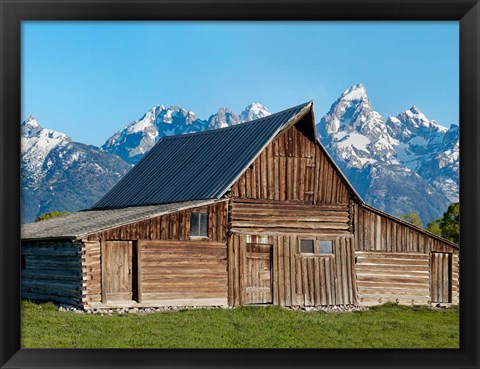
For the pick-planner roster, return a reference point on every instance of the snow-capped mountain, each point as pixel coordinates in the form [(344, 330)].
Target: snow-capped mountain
[(397, 164), (60, 174), (223, 118), (36, 143), (254, 111), (427, 148), (441, 168), (414, 136), (355, 133), (134, 140)]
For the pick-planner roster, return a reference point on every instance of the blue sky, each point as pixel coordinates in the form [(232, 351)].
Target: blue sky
[(89, 79)]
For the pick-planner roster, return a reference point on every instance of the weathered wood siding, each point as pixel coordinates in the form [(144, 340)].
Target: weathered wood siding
[(296, 279), (171, 234), (441, 281), (393, 276), (375, 232), (293, 168), (293, 191), (279, 218), (382, 240), (173, 226), (51, 271), (184, 273)]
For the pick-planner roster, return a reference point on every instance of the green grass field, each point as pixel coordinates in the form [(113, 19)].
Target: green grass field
[(387, 326)]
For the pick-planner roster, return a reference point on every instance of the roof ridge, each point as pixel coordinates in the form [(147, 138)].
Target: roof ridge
[(243, 124)]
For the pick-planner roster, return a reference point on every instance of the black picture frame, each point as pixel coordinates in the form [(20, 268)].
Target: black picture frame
[(467, 12)]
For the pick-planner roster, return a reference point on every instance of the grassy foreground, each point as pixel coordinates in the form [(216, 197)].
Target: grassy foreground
[(387, 326)]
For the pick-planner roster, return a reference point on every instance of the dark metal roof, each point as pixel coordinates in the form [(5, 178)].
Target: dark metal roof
[(82, 223), (197, 166)]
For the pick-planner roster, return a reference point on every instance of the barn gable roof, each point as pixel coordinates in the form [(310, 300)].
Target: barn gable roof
[(197, 166), (82, 223)]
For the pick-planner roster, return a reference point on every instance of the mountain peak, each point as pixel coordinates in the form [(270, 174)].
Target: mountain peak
[(356, 92), (414, 109), (31, 122), (415, 119), (254, 111)]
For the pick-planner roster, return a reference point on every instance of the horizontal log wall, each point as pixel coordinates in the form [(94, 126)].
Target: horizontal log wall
[(393, 276), (296, 280), (173, 226), (375, 232), (52, 271), (183, 272), (293, 167), (279, 218)]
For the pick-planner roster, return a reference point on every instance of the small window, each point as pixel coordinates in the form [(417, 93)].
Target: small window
[(306, 246), (326, 247), (199, 225)]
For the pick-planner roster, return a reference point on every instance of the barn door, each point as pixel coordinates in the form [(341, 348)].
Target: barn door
[(258, 273), (441, 277), (117, 270)]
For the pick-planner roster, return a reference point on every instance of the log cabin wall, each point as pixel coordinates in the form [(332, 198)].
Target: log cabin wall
[(51, 271), (396, 262), (293, 168), (164, 236)]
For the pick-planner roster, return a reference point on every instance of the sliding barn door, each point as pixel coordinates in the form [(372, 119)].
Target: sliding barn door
[(441, 277)]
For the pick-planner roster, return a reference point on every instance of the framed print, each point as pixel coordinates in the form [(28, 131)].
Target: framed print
[(296, 201)]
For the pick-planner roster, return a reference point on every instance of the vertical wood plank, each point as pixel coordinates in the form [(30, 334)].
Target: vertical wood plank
[(276, 179), (139, 271), (283, 240), (230, 270), (270, 172), (103, 271)]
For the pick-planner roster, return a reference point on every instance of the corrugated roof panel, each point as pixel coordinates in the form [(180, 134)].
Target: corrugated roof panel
[(195, 166)]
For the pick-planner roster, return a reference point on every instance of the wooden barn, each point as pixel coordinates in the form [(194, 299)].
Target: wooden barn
[(256, 213)]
